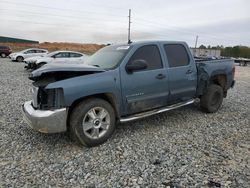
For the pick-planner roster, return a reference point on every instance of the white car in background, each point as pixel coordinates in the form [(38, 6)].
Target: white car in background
[(55, 57), (31, 52)]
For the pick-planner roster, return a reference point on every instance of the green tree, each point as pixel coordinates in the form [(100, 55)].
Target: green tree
[(202, 46)]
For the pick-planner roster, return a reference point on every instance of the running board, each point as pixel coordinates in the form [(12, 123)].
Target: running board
[(156, 111)]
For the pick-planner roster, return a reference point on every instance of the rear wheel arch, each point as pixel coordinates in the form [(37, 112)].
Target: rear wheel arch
[(220, 80)]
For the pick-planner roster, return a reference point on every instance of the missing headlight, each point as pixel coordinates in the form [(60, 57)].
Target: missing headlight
[(49, 99)]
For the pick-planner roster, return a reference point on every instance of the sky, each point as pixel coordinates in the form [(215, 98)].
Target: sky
[(215, 22)]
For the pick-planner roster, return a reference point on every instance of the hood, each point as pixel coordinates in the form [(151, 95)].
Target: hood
[(63, 71)]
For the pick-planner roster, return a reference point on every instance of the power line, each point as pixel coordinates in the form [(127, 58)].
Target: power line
[(61, 16), (149, 25), (61, 9)]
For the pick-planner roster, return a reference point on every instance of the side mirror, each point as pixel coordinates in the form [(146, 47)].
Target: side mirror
[(136, 65)]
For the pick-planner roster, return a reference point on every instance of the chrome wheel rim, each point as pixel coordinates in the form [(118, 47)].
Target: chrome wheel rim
[(96, 122)]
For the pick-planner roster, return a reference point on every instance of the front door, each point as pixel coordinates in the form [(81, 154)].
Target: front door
[(145, 89)]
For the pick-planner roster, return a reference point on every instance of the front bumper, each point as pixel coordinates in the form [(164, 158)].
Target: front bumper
[(13, 58), (45, 121)]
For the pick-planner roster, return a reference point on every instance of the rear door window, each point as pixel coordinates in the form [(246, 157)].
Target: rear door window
[(75, 55), (177, 55)]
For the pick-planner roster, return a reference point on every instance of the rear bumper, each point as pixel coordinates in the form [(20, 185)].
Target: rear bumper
[(45, 121)]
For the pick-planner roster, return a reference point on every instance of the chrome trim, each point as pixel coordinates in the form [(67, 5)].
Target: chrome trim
[(45, 121), (156, 111)]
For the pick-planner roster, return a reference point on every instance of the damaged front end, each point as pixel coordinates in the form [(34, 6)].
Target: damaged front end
[(47, 112)]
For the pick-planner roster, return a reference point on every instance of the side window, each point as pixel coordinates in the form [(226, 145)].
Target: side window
[(75, 55), (40, 51), (176, 54), (62, 55), (30, 52), (150, 54)]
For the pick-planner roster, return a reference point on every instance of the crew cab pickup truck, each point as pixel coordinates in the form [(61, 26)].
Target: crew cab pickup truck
[(121, 83)]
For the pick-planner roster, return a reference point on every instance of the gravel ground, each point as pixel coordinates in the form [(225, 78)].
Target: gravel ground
[(180, 148)]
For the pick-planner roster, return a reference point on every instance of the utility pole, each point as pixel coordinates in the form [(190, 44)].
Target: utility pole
[(129, 23), (196, 41)]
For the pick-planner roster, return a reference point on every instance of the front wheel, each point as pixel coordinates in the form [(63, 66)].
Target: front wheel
[(19, 59), (211, 101), (92, 122)]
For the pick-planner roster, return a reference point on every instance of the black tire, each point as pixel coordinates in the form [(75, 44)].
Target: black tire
[(19, 59), (3, 55), (211, 101), (78, 117), (40, 65)]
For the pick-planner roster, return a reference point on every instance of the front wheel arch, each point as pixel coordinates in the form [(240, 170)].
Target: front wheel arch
[(109, 97), (19, 57), (77, 116)]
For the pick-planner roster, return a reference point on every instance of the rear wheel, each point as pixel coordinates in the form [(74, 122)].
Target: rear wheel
[(19, 59), (211, 101), (92, 122), (3, 55)]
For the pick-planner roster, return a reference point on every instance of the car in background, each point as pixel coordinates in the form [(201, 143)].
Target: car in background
[(5, 51), (55, 57), (31, 52)]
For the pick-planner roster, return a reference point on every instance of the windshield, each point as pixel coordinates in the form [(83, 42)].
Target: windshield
[(108, 57)]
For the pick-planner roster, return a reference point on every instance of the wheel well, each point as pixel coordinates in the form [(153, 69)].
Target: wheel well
[(220, 80), (19, 56), (105, 96)]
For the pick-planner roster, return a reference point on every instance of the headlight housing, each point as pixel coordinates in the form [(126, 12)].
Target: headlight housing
[(49, 99)]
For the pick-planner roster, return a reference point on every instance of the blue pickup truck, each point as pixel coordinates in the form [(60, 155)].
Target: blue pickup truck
[(121, 83)]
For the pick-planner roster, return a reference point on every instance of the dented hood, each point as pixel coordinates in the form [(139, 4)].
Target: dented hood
[(60, 69)]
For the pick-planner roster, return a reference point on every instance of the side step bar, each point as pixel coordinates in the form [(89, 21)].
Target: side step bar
[(156, 111)]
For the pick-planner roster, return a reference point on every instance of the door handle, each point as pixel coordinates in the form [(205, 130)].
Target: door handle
[(160, 76), (189, 71)]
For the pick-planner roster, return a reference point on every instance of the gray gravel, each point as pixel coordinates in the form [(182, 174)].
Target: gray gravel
[(181, 148)]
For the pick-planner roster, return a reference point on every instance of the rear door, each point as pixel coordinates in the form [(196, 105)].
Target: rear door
[(182, 73), (30, 53), (145, 89), (40, 52), (76, 57)]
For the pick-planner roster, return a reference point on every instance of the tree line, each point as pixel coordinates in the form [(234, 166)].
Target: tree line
[(235, 51)]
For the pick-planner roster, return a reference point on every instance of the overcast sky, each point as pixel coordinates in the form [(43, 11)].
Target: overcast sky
[(216, 22)]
